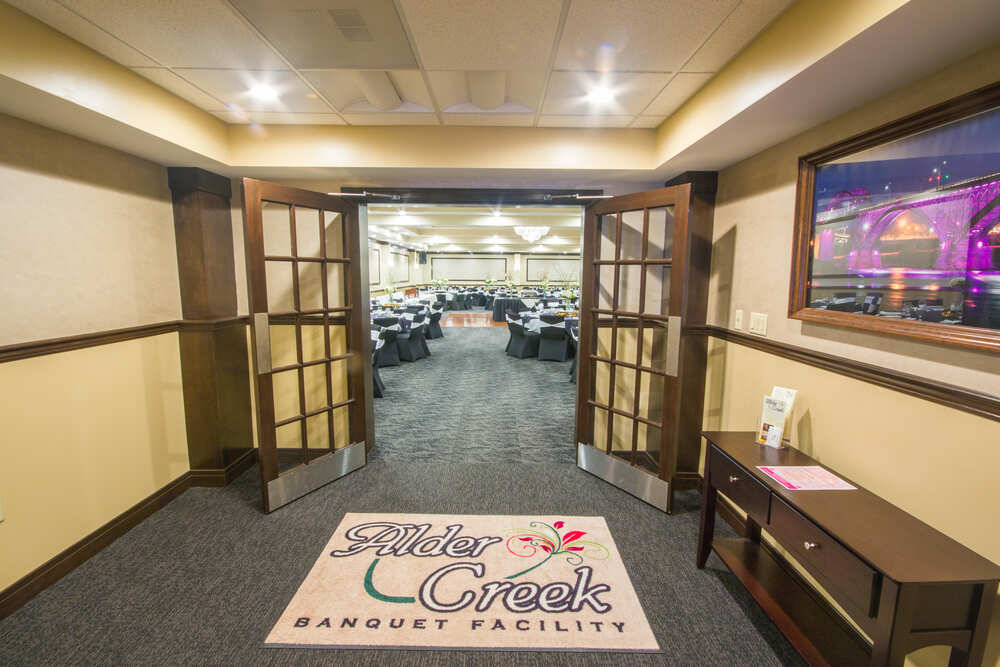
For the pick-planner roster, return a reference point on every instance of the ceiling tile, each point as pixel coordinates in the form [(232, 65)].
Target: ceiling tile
[(233, 87), (333, 34), (277, 118), (736, 32), (83, 31), (523, 89), (584, 121), (683, 86), (483, 34), (449, 87), (340, 86), (182, 33), (648, 121), (180, 87), (342, 89), (411, 87), (567, 92), (391, 118), (506, 119), (637, 35)]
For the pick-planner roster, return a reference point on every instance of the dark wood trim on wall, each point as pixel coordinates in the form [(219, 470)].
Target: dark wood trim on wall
[(506, 266), (21, 591), (948, 395), (38, 348)]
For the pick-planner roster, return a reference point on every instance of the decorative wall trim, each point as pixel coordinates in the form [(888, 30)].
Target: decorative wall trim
[(37, 348), (948, 395), (21, 591)]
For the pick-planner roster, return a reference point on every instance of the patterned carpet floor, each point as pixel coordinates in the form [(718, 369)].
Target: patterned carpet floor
[(471, 402), (467, 431)]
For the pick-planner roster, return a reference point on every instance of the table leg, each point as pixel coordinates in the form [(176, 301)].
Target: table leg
[(973, 657), (707, 529)]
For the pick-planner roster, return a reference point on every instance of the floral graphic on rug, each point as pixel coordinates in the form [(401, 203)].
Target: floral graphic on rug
[(541, 537)]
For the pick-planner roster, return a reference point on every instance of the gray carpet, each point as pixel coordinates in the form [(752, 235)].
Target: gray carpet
[(472, 402), (203, 580)]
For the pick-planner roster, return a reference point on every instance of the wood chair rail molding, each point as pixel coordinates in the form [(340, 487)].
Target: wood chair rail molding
[(948, 395), (951, 110)]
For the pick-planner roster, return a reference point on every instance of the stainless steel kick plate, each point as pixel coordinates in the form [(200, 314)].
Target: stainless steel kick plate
[(630, 479)]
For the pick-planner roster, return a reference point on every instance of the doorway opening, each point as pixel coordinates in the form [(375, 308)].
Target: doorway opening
[(490, 281)]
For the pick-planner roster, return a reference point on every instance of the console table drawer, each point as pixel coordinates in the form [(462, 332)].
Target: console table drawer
[(822, 555), (739, 486)]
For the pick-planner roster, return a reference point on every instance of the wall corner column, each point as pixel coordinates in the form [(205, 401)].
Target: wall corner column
[(213, 343)]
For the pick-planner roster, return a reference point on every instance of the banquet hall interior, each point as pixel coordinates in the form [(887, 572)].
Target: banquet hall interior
[(716, 280), (471, 270)]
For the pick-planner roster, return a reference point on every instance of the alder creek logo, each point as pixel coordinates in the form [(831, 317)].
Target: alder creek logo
[(467, 582), (386, 540)]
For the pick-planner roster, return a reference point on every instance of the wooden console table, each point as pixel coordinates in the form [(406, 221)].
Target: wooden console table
[(904, 583)]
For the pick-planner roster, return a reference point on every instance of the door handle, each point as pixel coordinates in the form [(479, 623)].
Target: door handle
[(262, 343), (673, 361)]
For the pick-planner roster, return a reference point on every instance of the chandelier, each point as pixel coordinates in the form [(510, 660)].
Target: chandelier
[(531, 234)]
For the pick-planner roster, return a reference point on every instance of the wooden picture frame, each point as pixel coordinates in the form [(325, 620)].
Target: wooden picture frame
[(964, 106)]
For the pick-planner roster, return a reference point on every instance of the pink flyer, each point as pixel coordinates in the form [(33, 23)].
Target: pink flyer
[(806, 478)]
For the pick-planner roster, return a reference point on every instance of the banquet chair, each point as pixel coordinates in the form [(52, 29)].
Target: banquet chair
[(414, 308), (377, 384), (574, 336), (388, 354), (523, 343), (434, 325), (420, 321), (409, 345), (513, 315), (553, 343), (552, 319), (386, 321)]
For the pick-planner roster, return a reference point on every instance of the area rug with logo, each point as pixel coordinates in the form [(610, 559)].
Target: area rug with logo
[(437, 581)]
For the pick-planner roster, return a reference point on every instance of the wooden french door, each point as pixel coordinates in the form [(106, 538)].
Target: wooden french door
[(309, 336), (632, 295)]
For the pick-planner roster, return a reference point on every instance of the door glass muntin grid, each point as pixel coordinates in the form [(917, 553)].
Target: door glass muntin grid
[(313, 428), (633, 267)]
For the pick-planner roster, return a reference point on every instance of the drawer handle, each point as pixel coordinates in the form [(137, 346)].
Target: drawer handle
[(810, 546), (733, 479)]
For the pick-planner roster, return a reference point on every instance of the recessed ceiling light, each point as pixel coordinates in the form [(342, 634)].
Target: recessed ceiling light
[(264, 92), (601, 95), (496, 213), (402, 213)]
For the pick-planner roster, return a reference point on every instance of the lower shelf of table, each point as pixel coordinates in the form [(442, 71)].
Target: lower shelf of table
[(806, 620)]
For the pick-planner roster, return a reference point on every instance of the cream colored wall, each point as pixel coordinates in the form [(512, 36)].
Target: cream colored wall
[(753, 240), (932, 461), (87, 434), (86, 244), (86, 237)]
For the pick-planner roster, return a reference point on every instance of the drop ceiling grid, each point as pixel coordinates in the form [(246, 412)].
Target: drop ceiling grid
[(657, 54)]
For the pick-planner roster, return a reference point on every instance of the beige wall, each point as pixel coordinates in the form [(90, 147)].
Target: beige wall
[(929, 460), (753, 240), (86, 237), (86, 244), (87, 434)]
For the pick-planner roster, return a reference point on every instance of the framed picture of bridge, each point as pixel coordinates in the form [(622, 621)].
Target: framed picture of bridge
[(898, 229)]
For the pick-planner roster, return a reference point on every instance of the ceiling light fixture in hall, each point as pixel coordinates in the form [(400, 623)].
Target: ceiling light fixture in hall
[(264, 92), (531, 234), (601, 95)]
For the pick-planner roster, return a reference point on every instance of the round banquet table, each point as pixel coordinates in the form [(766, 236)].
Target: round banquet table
[(502, 303)]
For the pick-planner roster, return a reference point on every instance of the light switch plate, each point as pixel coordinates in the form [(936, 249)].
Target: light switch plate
[(738, 319), (758, 323)]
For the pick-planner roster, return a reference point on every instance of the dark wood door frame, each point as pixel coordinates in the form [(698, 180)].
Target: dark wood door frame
[(279, 488)]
